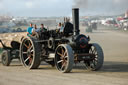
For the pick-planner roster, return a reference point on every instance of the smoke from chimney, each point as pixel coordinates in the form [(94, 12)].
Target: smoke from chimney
[(106, 7), (80, 3)]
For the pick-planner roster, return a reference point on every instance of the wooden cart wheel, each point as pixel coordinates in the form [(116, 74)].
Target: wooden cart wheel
[(64, 58)]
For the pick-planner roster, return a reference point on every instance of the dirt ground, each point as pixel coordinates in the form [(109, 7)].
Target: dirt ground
[(113, 72)]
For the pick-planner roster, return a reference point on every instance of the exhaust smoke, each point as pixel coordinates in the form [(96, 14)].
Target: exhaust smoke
[(102, 7)]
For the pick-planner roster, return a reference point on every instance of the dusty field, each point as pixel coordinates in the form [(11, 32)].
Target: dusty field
[(114, 71)]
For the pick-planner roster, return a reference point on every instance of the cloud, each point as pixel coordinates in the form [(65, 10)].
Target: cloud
[(1, 6), (29, 4)]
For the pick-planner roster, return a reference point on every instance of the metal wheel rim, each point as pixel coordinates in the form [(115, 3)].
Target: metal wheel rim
[(92, 64), (62, 58), (27, 52)]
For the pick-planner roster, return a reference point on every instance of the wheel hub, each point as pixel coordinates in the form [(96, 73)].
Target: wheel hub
[(28, 52)]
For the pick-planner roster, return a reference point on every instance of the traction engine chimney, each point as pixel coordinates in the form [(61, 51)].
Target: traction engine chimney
[(75, 18)]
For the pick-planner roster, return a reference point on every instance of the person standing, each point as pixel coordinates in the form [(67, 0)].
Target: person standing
[(59, 25), (62, 28)]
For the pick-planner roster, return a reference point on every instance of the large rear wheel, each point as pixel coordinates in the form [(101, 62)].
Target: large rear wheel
[(30, 53), (98, 59), (64, 58)]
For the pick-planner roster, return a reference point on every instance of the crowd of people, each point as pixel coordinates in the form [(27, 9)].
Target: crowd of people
[(33, 29)]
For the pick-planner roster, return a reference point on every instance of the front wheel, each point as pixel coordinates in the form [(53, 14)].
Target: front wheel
[(64, 58), (98, 59)]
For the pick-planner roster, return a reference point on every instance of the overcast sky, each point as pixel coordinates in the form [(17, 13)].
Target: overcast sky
[(46, 8)]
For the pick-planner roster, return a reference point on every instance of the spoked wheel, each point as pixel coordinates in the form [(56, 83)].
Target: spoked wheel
[(6, 58), (98, 59), (30, 53), (64, 58)]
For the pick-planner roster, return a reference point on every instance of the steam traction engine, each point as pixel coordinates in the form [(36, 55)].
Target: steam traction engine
[(61, 49)]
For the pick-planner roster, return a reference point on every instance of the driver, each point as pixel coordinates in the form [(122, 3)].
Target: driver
[(42, 31)]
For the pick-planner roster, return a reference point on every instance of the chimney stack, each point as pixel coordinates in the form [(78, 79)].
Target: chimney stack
[(75, 18)]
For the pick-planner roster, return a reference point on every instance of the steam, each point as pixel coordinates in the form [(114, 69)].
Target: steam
[(106, 7), (80, 3)]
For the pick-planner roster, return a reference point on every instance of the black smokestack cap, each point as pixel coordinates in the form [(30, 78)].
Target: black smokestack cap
[(75, 18)]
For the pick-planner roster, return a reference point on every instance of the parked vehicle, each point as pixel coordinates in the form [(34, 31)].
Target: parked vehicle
[(125, 25)]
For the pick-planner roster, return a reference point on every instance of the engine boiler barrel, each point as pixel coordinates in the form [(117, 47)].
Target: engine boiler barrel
[(75, 18)]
